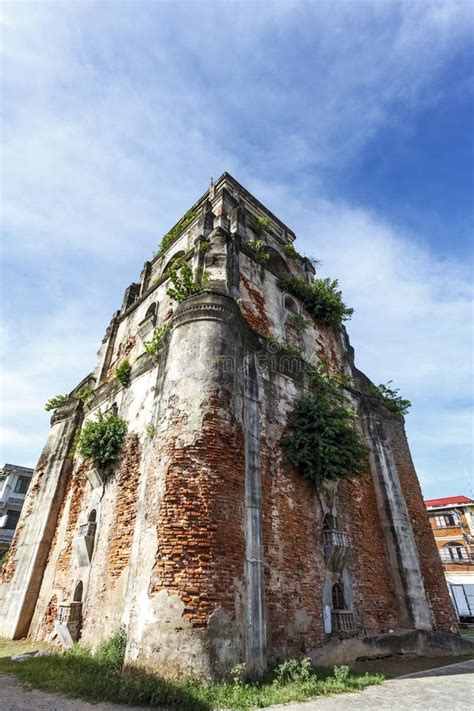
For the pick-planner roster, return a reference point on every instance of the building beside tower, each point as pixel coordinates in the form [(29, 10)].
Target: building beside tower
[(14, 483), (452, 521), (202, 542)]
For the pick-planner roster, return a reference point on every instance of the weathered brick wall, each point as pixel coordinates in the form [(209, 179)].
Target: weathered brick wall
[(201, 546), (357, 514), (294, 565), (253, 307), (49, 618), (125, 510), (431, 566), (74, 498)]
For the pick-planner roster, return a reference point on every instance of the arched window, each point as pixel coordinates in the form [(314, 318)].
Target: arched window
[(176, 256), (338, 602), (92, 516), (290, 304), (151, 312), (78, 592), (454, 552)]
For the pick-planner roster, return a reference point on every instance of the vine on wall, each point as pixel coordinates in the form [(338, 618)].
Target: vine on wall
[(175, 232), (322, 299), (185, 282), (323, 441)]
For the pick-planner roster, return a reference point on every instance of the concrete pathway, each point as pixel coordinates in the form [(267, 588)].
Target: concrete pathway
[(447, 688)]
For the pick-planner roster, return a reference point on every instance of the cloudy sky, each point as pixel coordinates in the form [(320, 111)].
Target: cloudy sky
[(352, 121)]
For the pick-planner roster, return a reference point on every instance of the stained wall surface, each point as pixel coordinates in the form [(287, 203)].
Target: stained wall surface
[(206, 546)]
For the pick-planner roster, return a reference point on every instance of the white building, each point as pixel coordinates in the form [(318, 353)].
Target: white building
[(14, 483)]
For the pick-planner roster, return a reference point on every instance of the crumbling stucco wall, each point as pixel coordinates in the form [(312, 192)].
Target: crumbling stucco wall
[(208, 548)]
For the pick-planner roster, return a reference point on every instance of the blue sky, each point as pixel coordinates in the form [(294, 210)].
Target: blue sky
[(352, 121)]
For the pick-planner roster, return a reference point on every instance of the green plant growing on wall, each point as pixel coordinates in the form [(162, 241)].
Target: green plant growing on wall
[(284, 347), (291, 252), (259, 250), (159, 333), (184, 281), (323, 442), (298, 322), (101, 440), (150, 430), (84, 394), (55, 402), (175, 232), (321, 298), (204, 245), (389, 398), (123, 373), (259, 224)]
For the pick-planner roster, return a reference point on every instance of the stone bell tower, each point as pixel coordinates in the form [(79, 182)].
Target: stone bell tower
[(201, 542)]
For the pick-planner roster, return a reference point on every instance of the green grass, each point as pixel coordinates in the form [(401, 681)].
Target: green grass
[(467, 631), (98, 677)]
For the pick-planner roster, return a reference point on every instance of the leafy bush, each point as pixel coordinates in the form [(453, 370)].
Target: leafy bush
[(159, 333), (291, 252), (390, 399), (322, 299), (175, 232), (298, 322), (55, 402), (323, 442), (294, 670), (101, 440), (204, 245), (184, 282), (259, 250), (150, 430), (239, 674), (84, 394), (123, 373), (284, 347), (342, 673), (259, 224)]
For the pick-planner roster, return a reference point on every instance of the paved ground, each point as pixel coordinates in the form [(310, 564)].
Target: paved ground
[(13, 697), (450, 687)]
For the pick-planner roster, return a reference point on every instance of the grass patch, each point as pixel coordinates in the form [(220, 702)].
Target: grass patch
[(99, 677)]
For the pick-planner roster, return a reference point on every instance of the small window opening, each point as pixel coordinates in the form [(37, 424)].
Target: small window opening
[(338, 602), (78, 592)]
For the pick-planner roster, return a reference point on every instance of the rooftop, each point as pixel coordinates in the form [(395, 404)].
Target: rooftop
[(449, 501)]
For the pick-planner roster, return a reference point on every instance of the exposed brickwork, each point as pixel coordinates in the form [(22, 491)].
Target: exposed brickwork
[(75, 493), (431, 566), (125, 511), (357, 515), (255, 314), (294, 563), (49, 617), (123, 352), (191, 517), (200, 521)]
